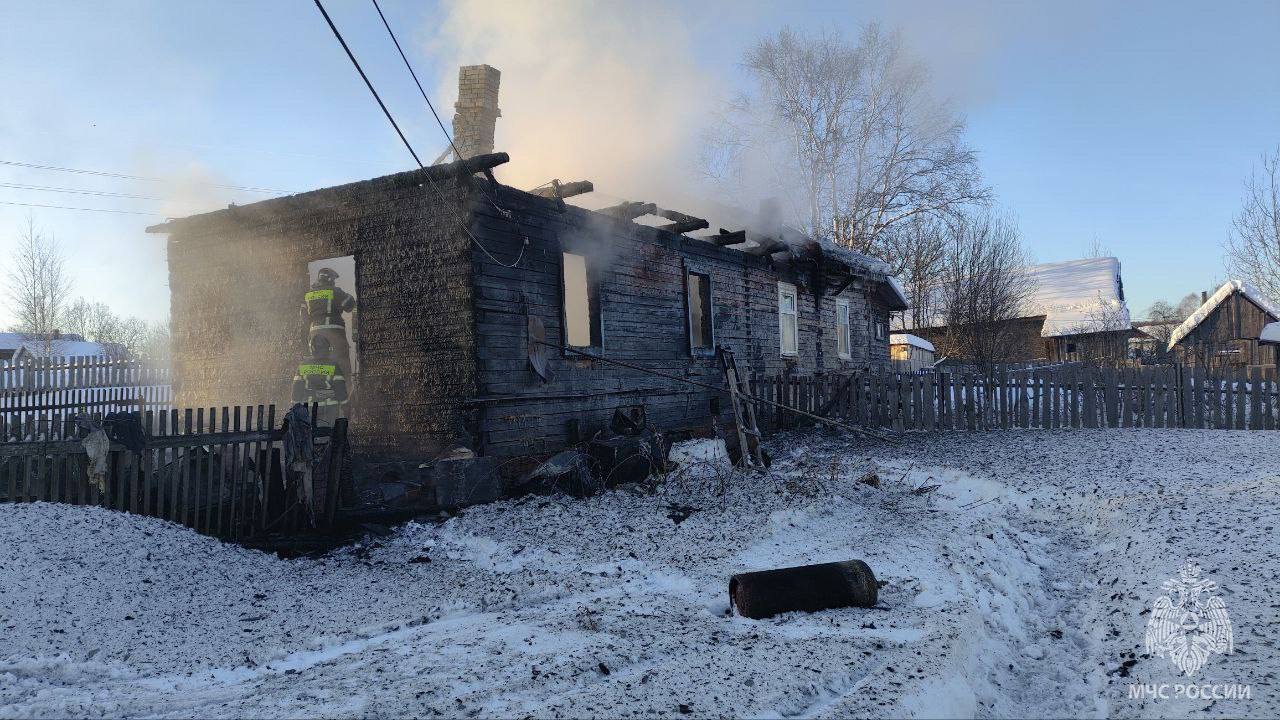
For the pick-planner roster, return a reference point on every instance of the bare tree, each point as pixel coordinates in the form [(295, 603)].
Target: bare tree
[(810, 85), (1253, 247), (94, 321), (855, 127), (38, 285), (1095, 249), (1162, 318), (985, 286), (907, 157), (919, 256), (97, 322)]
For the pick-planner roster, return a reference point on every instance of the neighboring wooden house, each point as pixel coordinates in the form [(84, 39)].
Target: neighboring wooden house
[(456, 276), (1077, 313), (9, 344), (25, 347), (910, 352), (64, 348), (1226, 330)]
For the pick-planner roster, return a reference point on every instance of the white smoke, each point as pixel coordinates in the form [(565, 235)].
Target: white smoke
[(607, 92)]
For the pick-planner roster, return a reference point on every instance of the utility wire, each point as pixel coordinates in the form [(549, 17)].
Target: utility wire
[(461, 222), (405, 58), (76, 191), (456, 152), (101, 173), (369, 84), (64, 207)]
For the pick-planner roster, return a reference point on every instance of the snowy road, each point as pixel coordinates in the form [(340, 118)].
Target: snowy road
[(1021, 587)]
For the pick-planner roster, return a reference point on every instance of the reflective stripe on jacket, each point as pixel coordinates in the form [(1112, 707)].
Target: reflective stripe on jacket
[(324, 306), (320, 383)]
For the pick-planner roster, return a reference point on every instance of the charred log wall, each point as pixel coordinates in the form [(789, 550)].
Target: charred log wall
[(640, 272), (237, 279)]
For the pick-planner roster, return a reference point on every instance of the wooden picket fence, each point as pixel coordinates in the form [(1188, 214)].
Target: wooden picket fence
[(1064, 397), (33, 391), (219, 472)]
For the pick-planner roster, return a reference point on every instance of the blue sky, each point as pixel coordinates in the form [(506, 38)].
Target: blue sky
[(1129, 122)]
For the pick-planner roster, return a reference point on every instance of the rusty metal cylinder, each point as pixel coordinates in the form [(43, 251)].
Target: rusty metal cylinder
[(810, 588)]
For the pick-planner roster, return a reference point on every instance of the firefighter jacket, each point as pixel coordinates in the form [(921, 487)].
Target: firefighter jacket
[(324, 305), (319, 381)]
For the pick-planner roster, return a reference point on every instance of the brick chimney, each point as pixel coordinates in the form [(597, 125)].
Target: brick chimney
[(1204, 296), (476, 112)]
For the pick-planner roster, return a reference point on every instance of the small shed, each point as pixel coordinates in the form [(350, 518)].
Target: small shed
[(1226, 330), (1270, 335), (910, 353)]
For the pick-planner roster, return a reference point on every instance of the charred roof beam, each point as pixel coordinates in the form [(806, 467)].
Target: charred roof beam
[(729, 238), (561, 190), (767, 246), (685, 226), (629, 210)]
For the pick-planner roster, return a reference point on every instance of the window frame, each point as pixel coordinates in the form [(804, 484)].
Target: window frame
[(595, 310), (693, 268), (785, 288), (847, 335)]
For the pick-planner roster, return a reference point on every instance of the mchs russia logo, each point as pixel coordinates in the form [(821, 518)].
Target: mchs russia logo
[(1190, 623)]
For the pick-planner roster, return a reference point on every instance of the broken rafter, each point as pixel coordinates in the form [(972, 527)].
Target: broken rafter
[(729, 238), (685, 226), (629, 210), (767, 246), (479, 163), (679, 217), (569, 189)]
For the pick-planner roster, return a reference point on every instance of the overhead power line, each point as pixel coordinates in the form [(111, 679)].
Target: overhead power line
[(367, 83), (83, 209), (101, 173), (456, 152), (76, 191), (405, 58)]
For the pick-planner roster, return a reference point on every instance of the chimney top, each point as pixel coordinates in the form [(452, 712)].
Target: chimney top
[(476, 113)]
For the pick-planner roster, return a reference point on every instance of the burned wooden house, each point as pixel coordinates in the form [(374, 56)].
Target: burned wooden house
[(1225, 331), (460, 281)]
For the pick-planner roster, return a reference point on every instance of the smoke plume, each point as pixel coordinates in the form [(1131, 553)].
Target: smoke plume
[(610, 93)]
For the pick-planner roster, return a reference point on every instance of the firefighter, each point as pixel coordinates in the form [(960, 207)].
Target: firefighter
[(320, 380), (323, 311)]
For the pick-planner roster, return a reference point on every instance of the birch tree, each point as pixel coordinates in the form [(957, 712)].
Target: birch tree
[(857, 130), (38, 285), (1253, 247)]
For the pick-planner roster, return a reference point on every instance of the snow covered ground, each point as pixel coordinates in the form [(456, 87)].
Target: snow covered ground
[(1021, 587)]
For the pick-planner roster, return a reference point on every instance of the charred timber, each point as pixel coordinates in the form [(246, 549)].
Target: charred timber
[(676, 216), (685, 226), (479, 163), (564, 190), (629, 210), (729, 238), (767, 246), (807, 588)]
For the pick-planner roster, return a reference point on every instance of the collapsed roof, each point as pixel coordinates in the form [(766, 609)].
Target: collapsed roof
[(780, 242)]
